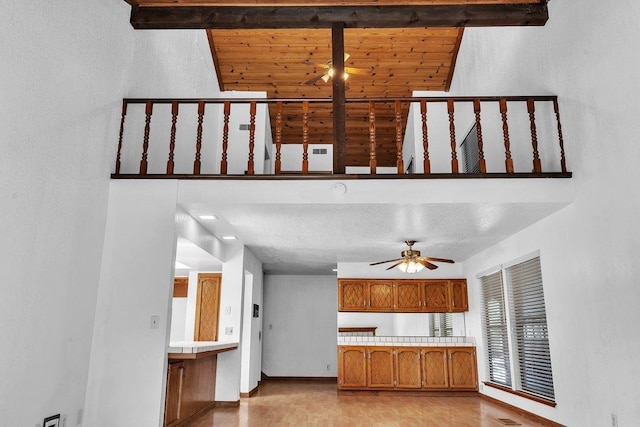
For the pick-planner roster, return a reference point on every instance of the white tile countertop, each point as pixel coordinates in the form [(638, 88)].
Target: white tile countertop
[(199, 346), (408, 341)]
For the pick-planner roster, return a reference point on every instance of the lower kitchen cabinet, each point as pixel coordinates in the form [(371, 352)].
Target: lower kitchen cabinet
[(463, 374), (408, 367), (352, 367), (380, 372), (435, 369), (174, 393), (418, 368)]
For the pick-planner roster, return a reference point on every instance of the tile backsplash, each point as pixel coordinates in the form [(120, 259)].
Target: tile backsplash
[(371, 340)]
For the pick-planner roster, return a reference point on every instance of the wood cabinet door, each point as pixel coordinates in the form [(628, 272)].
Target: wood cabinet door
[(408, 296), (380, 372), (436, 296), (462, 368), (459, 300), (408, 369), (207, 307), (380, 295), (173, 397), (435, 373), (352, 367), (352, 295)]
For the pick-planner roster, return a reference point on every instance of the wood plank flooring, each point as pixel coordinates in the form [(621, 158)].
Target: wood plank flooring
[(317, 404)]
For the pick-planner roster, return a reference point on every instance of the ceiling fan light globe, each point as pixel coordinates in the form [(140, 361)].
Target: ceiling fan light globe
[(410, 267)]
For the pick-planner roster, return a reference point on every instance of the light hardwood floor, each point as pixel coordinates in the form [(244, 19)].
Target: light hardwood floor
[(313, 403)]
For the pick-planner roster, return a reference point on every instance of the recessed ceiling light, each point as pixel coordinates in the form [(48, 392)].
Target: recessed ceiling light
[(208, 217), (229, 237), (181, 265)]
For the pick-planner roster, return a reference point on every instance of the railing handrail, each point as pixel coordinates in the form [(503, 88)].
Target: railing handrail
[(348, 100), (419, 102)]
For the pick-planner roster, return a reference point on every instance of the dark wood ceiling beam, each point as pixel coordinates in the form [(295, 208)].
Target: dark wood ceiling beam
[(256, 17)]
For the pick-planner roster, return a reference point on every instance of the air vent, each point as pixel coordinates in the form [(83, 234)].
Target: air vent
[(508, 422), (319, 151), (244, 127)]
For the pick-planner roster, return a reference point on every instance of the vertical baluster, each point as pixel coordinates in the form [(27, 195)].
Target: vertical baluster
[(305, 137), (172, 138), (278, 137), (252, 136), (531, 109), (124, 113), (452, 136), (196, 162), (482, 164), (373, 163), (425, 136), (225, 138), (505, 132), (145, 141), (556, 109), (399, 160)]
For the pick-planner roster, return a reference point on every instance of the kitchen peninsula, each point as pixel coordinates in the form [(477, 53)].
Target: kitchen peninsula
[(191, 379)]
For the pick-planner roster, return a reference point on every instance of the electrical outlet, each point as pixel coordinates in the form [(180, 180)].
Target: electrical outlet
[(614, 420), (228, 310), (228, 330), (328, 367)]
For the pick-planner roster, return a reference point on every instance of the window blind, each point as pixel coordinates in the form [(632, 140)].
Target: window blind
[(529, 323), (441, 325), (494, 321)]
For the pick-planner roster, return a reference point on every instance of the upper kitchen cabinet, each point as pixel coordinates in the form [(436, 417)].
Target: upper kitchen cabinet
[(403, 296)]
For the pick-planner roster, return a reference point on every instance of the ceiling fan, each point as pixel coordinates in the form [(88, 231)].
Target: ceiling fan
[(412, 262), (330, 71)]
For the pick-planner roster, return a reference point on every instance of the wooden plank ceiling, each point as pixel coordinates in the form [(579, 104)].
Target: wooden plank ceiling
[(382, 63), (394, 47)]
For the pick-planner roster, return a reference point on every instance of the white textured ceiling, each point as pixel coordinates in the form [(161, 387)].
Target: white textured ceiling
[(310, 238)]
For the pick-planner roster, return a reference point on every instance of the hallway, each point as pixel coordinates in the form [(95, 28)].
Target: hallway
[(316, 403)]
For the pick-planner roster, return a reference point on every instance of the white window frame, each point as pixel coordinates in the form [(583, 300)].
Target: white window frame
[(507, 294)]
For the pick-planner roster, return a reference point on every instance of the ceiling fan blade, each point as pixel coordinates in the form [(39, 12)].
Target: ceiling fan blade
[(314, 80), (389, 260), (450, 261), (394, 265), (427, 263)]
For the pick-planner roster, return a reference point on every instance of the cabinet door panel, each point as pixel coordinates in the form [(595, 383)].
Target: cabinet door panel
[(408, 370), (174, 394), (380, 367), (434, 368), (381, 295), (352, 367), (459, 296), (436, 296), (408, 296), (462, 369), (352, 295)]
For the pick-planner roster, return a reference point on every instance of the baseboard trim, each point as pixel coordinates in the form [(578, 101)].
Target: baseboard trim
[(530, 415), (251, 392), (187, 421), (409, 392), (219, 404), (266, 377)]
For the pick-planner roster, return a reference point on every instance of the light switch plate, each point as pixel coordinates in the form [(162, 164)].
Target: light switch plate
[(228, 330)]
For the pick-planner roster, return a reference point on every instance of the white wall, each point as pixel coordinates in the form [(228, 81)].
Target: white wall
[(61, 82), (300, 326), (69, 66), (231, 369), (251, 326), (589, 250), (128, 355)]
